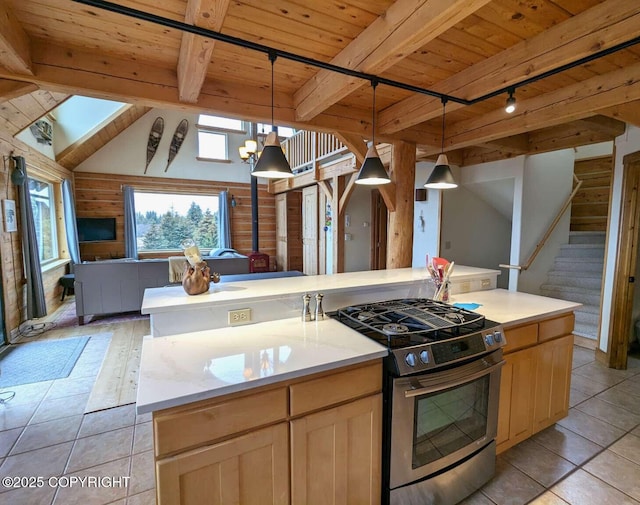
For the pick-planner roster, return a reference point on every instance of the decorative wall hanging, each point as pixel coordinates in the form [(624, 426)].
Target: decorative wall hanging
[(42, 131), (154, 139), (10, 223), (177, 140)]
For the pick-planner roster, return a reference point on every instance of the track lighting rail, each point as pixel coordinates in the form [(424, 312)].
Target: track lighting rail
[(185, 27)]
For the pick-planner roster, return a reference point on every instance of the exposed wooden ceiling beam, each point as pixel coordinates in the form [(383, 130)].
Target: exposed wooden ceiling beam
[(78, 71), (401, 30), (13, 89), (627, 112), (604, 125), (570, 103), (15, 54), (516, 144), (99, 136), (605, 25), (195, 50), (355, 144)]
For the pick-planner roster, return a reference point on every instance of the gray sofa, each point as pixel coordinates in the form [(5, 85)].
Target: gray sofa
[(115, 286)]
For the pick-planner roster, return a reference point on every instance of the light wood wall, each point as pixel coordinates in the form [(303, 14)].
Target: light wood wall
[(590, 206), (13, 279), (100, 195)]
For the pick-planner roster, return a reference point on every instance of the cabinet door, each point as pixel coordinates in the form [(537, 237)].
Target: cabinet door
[(553, 380), (336, 455), (252, 469), (515, 414)]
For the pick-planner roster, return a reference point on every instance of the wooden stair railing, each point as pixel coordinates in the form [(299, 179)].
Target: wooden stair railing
[(549, 231)]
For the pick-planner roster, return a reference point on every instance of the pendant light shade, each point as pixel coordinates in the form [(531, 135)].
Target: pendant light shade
[(272, 162), (372, 172), (441, 177)]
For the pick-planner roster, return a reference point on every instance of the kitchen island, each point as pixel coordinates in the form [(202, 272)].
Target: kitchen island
[(282, 411), (173, 311)]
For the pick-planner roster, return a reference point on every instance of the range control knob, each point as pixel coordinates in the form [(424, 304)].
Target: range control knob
[(497, 335), (410, 359), (424, 356), (489, 339)]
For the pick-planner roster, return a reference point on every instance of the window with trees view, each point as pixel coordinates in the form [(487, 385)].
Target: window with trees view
[(164, 220), (44, 219)]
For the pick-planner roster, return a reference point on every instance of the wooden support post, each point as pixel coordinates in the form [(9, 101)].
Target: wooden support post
[(337, 225), (400, 233)]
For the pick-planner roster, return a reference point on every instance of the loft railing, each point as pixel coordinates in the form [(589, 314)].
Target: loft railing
[(552, 227), (304, 148)]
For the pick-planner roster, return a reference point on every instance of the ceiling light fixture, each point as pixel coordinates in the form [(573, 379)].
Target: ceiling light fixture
[(272, 162), (511, 102), (441, 177), (373, 172)]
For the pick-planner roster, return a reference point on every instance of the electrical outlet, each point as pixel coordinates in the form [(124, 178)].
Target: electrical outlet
[(465, 287), (485, 283), (239, 316)]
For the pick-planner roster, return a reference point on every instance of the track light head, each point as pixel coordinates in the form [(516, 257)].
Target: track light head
[(511, 103)]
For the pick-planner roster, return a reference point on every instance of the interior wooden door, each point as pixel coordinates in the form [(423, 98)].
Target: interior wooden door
[(310, 230), (378, 231), (623, 287), (281, 232)]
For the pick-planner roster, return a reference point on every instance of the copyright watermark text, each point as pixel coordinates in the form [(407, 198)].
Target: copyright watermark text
[(63, 481)]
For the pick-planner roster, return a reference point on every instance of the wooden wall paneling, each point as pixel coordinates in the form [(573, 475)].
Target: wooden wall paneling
[(590, 206), (100, 195)]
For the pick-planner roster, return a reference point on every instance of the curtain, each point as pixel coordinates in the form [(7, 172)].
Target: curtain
[(36, 304), (224, 221), (130, 238), (70, 223)]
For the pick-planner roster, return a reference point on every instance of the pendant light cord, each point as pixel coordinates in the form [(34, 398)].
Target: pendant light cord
[(444, 104), (272, 59), (374, 84)]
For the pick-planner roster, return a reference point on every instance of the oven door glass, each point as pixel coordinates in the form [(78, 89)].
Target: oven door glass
[(439, 418), (449, 420)]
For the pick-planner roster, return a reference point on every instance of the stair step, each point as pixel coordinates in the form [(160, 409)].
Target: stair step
[(589, 308), (579, 264), (582, 251), (587, 237), (586, 331), (571, 294), (573, 280), (587, 318)]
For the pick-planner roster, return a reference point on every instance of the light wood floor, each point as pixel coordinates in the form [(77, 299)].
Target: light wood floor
[(117, 381)]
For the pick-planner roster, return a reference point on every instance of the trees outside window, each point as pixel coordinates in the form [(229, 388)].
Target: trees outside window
[(164, 220)]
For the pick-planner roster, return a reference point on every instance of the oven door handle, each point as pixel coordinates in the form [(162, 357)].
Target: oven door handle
[(418, 390)]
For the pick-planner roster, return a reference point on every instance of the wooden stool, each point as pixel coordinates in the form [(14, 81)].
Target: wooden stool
[(66, 281)]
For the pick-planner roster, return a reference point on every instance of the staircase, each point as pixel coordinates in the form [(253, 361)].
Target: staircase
[(577, 276)]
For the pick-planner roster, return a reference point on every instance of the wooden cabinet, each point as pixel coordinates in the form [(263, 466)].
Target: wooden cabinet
[(553, 381), (252, 469), (305, 441), (534, 387), (335, 455)]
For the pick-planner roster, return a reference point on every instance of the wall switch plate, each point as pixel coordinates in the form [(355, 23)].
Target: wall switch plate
[(239, 316), (465, 287)]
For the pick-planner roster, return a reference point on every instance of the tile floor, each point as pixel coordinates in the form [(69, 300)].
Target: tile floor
[(590, 457)]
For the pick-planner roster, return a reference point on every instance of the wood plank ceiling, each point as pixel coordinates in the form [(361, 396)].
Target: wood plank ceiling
[(463, 48)]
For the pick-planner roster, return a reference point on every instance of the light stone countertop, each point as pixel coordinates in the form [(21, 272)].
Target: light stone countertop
[(185, 368), (189, 367), (173, 298), (511, 307)]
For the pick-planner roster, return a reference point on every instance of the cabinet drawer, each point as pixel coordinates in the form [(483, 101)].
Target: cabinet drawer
[(333, 389), (207, 422), (522, 336), (557, 327)]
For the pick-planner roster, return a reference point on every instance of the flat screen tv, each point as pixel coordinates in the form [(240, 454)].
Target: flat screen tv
[(96, 229)]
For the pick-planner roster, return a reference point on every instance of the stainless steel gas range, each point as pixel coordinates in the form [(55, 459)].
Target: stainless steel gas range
[(441, 388)]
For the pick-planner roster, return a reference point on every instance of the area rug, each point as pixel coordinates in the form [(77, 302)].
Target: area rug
[(39, 361)]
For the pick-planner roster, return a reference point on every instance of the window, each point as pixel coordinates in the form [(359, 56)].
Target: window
[(222, 123), (164, 220), (212, 146), (283, 131), (44, 219), (212, 136)]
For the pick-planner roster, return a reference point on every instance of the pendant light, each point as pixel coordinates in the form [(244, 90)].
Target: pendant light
[(373, 171), (441, 177), (272, 163)]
